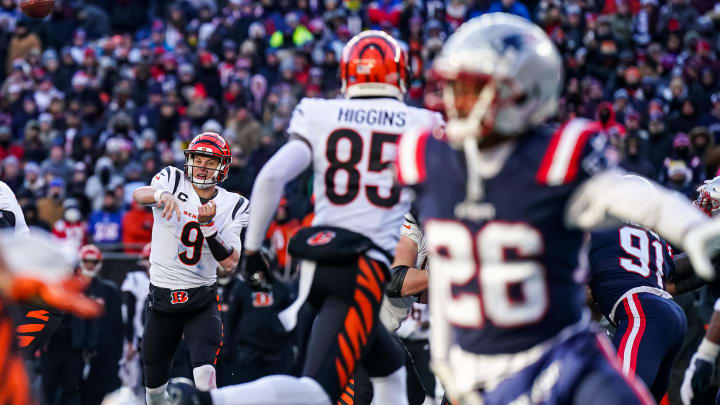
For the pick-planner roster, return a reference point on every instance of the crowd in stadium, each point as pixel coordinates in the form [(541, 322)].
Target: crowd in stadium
[(101, 95)]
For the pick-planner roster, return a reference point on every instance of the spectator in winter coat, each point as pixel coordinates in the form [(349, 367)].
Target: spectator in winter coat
[(137, 228), (21, 44)]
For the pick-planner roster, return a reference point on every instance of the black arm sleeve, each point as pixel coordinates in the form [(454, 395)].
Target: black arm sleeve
[(394, 287), (218, 247)]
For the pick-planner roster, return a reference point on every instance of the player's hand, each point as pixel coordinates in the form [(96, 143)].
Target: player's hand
[(170, 206), (701, 243), (253, 267), (66, 295), (697, 378), (206, 212)]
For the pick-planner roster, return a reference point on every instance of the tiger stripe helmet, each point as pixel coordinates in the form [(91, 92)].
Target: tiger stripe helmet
[(208, 144), (373, 64)]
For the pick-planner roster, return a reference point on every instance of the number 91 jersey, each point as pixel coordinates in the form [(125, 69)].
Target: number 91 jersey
[(354, 143), (624, 259), (179, 255)]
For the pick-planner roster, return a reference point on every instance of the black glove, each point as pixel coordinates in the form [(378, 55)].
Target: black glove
[(255, 268)]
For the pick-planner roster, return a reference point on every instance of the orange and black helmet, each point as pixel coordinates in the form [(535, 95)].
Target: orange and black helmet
[(208, 144), (373, 64)]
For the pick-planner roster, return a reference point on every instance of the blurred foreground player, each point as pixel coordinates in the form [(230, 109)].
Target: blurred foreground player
[(350, 144), (197, 227), (629, 268), (38, 270), (504, 203)]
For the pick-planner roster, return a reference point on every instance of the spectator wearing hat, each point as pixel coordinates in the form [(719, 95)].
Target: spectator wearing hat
[(105, 224), (103, 180), (605, 116), (33, 182), (703, 144), (50, 207), (682, 150), (22, 42), (11, 173), (57, 163)]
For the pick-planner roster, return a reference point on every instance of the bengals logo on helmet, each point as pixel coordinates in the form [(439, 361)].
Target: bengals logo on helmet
[(262, 299), (321, 238), (373, 64)]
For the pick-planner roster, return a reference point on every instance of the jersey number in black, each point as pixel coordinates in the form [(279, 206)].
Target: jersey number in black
[(192, 240), (375, 164)]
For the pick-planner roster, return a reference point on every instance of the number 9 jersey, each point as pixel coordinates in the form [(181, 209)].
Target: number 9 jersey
[(179, 255), (354, 143)]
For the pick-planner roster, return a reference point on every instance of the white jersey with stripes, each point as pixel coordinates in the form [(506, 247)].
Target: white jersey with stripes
[(354, 144), (179, 255)]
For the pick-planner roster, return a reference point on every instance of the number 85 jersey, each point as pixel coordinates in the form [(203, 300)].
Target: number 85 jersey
[(354, 143), (179, 255)]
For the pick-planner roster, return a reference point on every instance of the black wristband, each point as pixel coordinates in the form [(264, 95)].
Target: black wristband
[(219, 249), (394, 288)]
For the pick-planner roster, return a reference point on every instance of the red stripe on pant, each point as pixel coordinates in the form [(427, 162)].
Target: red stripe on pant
[(630, 344), (638, 388)]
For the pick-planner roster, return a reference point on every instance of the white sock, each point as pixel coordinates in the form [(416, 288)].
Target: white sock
[(391, 389), (273, 390), (157, 396), (204, 377)]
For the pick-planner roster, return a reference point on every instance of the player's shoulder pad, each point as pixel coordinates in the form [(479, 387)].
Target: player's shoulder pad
[(411, 155), (241, 206), (561, 162), (170, 175)]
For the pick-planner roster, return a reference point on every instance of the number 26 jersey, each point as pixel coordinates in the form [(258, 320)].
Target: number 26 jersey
[(179, 255), (354, 143)]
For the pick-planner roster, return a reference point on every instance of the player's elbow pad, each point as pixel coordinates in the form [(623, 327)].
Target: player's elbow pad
[(394, 287)]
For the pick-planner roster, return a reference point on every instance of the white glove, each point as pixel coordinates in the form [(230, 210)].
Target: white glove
[(700, 242)]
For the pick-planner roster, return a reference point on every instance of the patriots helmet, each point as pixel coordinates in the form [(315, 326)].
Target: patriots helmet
[(500, 74), (708, 199)]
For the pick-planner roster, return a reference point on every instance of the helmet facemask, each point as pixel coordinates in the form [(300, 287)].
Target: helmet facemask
[(479, 121), (192, 170), (90, 267)]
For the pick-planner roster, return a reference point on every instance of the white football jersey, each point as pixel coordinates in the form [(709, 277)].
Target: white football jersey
[(8, 202), (179, 255), (354, 146), (395, 310)]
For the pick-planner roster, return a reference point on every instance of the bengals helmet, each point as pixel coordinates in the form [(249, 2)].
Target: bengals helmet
[(208, 144), (90, 260), (373, 64)]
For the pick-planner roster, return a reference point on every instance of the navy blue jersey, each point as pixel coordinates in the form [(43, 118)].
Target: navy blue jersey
[(626, 258), (510, 262)]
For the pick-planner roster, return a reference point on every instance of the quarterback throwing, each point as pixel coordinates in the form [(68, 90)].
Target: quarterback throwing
[(197, 228)]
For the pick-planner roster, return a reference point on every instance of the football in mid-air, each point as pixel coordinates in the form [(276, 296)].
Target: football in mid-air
[(36, 8)]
